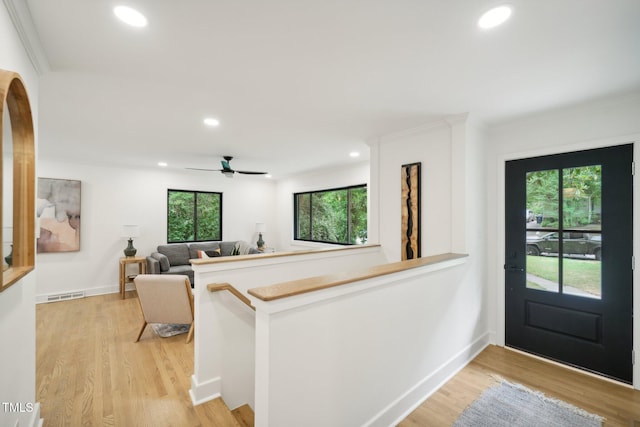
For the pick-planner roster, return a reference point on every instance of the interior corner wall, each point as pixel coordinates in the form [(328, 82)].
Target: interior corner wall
[(113, 196), (432, 148), (605, 122), (17, 303), (343, 176)]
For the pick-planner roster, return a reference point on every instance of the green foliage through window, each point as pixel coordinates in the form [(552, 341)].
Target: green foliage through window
[(581, 196), (193, 216), (332, 216)]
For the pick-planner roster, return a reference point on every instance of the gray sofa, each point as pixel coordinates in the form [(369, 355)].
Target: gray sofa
[(173, 258)]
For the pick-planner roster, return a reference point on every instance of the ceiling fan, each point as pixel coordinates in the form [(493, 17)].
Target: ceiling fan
[(227, 171)]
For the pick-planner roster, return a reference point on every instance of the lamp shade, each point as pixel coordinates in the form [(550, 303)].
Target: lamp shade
[(7, 234), (260, 227), (130, 231)]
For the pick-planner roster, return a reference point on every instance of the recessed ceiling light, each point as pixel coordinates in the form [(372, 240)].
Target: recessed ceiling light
[(130, 16), (162, 164), (354, 154), (210, 121), (267, 175), (494, 17)]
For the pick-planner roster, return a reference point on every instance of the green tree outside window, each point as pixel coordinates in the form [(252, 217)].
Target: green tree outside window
[(193, 216), (332, 216)]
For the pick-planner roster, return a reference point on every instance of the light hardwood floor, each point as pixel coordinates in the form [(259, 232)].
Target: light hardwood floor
[(620, 405), (91, 373)]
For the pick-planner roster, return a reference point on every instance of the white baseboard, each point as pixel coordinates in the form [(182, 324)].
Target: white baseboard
[(206, 391), (89, 292), (414, 397)]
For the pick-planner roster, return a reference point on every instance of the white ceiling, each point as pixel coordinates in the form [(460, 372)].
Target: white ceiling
[(298, 84)]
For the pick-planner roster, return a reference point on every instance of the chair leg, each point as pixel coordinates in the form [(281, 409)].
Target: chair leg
[(144, 325), (190, 336)]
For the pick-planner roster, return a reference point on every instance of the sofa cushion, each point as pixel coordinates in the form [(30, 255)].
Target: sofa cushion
[(182, 269), (163, 260), (202, 246), (226, 248), (178, 253)]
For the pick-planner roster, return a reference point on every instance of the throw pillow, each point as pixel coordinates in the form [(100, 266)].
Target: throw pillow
[(202, 254), (213, 254), (236, 249)]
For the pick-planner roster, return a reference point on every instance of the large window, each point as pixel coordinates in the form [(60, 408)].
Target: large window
[(337, 215), (193, 216)]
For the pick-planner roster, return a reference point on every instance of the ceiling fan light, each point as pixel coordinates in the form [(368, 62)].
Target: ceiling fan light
[(227, 174)]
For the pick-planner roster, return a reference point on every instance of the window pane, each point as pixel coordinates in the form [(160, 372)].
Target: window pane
[(208, 216), (581, 274), (194, 216), (581, 209), (542, 200), (542, 216), (180, 216), (581, 194), (329, 216), (332, 216), (358, 216), (303, 204)]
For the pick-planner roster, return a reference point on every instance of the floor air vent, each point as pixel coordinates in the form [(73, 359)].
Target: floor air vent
[(64, 297)]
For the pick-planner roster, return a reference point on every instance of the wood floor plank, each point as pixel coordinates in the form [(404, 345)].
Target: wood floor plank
[(619, 404), (89, 370)]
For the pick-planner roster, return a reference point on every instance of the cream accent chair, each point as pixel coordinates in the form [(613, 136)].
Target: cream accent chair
[(165, 298)]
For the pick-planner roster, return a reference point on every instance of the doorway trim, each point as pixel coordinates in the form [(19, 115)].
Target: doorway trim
[(500, 231)]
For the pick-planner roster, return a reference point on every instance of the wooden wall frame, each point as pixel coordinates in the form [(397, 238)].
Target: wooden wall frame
[(13, 94), (410, 208)]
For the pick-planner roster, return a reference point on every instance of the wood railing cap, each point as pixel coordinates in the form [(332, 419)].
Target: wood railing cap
[(203, 261), (310, 284)]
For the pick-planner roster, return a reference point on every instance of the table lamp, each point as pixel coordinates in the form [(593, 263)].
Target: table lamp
[(130, 231), (260, 228)]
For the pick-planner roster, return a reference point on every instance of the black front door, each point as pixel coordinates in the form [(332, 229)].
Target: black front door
[(568, 258)]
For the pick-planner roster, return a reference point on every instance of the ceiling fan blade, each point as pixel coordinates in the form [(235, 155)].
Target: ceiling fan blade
[(252, 173), (208, 170)]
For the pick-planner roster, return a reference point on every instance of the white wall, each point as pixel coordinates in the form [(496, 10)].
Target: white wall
[(344, 176), (368, 352), (17, 303), (602, 123), (453, 195), (218, 370), (115, 196), (431, 145)]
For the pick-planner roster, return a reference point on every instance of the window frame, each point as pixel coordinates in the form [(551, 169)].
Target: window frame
[(195, 215), (296, 234)]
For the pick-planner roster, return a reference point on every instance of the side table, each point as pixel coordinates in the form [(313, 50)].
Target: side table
[(142, 269)]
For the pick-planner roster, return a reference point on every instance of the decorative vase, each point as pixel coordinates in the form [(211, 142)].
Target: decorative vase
[(9, 258), (130, 250), (260, 242)]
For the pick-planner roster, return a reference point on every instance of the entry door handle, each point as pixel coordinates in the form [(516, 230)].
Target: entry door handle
[(514, 268)]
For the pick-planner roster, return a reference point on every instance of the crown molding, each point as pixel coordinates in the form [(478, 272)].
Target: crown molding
[(435, 124), (23, 22)]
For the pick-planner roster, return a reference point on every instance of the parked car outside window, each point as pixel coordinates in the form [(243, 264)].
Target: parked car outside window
[(574, 243)]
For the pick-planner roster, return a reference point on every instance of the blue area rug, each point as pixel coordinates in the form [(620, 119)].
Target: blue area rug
[(513, 405)]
